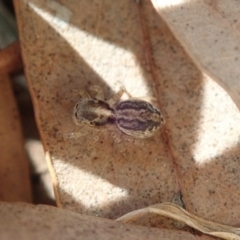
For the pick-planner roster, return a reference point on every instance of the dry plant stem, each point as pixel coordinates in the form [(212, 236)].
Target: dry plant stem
[(14, 172), (54, 179), (151, 67), (10, 58), (173, 211)]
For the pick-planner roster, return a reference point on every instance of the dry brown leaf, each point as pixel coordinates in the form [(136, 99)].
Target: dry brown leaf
[(74, 45), (173, 211), (10, 58), (25, 221), (209, 30), (14, 172)]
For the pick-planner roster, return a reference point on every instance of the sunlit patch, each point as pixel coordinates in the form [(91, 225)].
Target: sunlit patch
[(62, 14), (96, 192), (169, 3), (107, 59), (39, 168), (219, 127)]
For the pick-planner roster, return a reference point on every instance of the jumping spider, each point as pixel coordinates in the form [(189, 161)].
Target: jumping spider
[(134, 117)]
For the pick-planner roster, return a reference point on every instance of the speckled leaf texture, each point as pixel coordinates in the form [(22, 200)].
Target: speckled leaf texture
[(24, 222), (209, 30), (72, 45)]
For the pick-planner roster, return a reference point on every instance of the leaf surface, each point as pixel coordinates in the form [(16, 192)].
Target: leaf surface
[(73, 45), (25, 221)]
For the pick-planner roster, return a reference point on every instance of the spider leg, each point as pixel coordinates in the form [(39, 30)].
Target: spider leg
[(99, 92), (82, 93), (115, 98)]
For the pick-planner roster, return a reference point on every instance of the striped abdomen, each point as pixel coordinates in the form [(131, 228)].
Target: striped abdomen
[(138, 118)]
